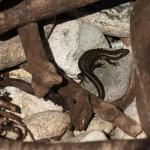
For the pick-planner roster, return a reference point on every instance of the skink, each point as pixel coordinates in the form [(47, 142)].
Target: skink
[(88, 63)]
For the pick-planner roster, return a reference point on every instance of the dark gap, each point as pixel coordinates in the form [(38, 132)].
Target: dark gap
[(6, 4)]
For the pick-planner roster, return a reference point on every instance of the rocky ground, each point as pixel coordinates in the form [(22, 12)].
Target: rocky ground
[(69, 39)]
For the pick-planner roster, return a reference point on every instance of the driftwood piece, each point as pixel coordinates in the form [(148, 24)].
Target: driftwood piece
[(102, 145), (104, 109), (140, 40), (44, 74), (85, 104), (142, 71), (34, 10)]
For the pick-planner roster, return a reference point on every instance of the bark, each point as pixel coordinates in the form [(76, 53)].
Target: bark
[(34, 10), (102, 145), (140, 40), (44, 74)]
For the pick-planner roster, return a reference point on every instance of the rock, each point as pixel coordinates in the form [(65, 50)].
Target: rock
[(142, 135), (21, 74), (130, 111), (48, 29), (48, 124), (67, 135), (12, 135), (117, 45), (114, 21), (11, 53), (88, 136), (114, 78), (70, 40), (30, 104), (99, 124)]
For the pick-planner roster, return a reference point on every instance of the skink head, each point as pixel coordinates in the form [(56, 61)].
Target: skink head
[(115, 54), (122, 52)]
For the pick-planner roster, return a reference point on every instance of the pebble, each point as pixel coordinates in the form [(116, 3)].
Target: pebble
[(114, 78), (99, 124), (88, 136)]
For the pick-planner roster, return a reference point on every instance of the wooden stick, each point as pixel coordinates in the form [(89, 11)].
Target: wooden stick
[(34, 10), (102, 145)]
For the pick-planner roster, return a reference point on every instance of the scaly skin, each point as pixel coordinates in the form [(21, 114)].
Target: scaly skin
[(87, 64)]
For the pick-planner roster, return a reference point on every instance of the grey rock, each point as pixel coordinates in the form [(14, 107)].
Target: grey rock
[(114, 21), (114, 78), (48, 124), (70, 40), (88, 136)]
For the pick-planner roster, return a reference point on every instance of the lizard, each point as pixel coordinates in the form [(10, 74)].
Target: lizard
[(89, 61)]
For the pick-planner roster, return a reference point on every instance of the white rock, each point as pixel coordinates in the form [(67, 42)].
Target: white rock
[(131, 111), (70, 40), (99, 124), (142, 135), (11, 53), (48, 124), (30, 104), (117, 45), (89, 136)]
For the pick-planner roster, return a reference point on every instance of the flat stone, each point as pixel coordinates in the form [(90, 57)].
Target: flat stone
[(48, 124)]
